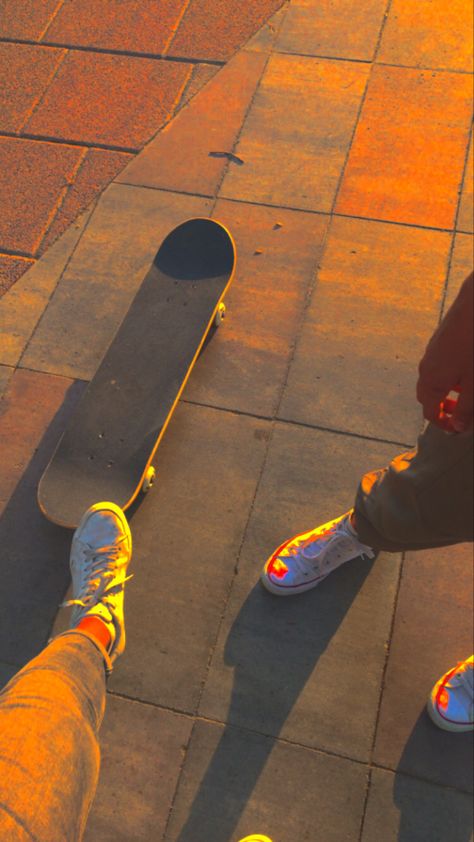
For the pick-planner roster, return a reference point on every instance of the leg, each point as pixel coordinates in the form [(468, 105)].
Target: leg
[(50, 713), (423, 499)]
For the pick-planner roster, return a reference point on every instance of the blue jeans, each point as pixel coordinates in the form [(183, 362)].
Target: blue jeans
[(50, 714)]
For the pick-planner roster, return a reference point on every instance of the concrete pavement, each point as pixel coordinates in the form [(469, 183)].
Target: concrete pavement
[(350, 199)]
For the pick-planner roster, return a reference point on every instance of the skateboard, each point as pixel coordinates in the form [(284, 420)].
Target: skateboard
[(107, 449)]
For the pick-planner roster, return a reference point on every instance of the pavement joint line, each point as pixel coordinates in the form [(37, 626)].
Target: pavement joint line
[(89, 212), (21, 255), (176, 25), (381, 693), (217, 63), (415, 225), (270, 51), (388, 9), (65, 142), (295, 423), (52, 18), (61, 198), (78, 48), (196, 717), (41, 96), (373, 61)]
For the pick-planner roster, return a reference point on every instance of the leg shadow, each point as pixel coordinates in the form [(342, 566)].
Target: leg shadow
[(34, 568), (443, 809), (274, 646)]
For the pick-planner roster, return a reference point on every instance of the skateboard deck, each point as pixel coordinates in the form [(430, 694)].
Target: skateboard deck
[(106, 451)]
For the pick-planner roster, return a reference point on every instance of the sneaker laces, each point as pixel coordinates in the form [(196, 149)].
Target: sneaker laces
[(309, 550), (464, 677), (100, 569)]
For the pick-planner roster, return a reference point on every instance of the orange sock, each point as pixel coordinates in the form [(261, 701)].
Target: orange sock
[(97, 628)]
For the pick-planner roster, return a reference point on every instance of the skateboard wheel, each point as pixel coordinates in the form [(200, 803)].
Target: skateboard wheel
[(149, 480), (220, 315)]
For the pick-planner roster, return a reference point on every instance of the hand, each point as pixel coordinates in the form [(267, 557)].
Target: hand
[(447, 366)]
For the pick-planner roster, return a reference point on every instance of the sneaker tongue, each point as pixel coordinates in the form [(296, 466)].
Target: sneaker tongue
[(100, 610)]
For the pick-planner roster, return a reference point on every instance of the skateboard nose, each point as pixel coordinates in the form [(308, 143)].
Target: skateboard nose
[(199, 248)]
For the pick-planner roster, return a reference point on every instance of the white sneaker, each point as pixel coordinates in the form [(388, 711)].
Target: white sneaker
[(303, 562), (451, 701), (100, 553)]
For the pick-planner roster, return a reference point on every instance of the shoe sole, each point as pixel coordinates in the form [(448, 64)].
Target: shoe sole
[(446, 724)]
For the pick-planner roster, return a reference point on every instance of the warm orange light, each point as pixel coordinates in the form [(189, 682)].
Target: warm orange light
[(443, 698), (278, 568)]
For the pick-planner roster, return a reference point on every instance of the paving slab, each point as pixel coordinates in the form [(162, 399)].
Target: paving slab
[(137, 26), (403, 809), (461, 266), (31, 169), (291, 159), (187, 535), (12, 268), (114, 100), (120, 242), (98, 168), (34, 565), (236, 783), (26, 71), (211, 29), (277, 255), (142, 750), (5, 374), (28, 19), (465, 221), (292, 667), (339, 29), (418, 36), (201, 75), (180, 157), (398, 168), (265, 38), (376, 302), (433, 631), (23, 305)]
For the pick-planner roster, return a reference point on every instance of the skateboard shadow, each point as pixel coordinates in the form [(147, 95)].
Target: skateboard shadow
[(273, 646), (34, 562), (426, 810)]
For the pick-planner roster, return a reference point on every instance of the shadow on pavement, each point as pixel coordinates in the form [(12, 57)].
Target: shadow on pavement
[(34, 562), (274, 646), (428, 811)]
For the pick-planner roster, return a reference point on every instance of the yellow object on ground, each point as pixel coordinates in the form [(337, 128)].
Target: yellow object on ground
[(256, 837)]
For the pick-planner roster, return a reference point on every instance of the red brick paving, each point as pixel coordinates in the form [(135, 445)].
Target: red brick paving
[(12, 268), (25, 72), (33, 179), (97, 170), (213, 29), (94, 98), (113, 100), (134, 26), (26, 19)]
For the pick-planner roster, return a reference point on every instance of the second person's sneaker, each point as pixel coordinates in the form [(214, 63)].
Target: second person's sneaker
[(302, 562), (451, 701), (100, 554)]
